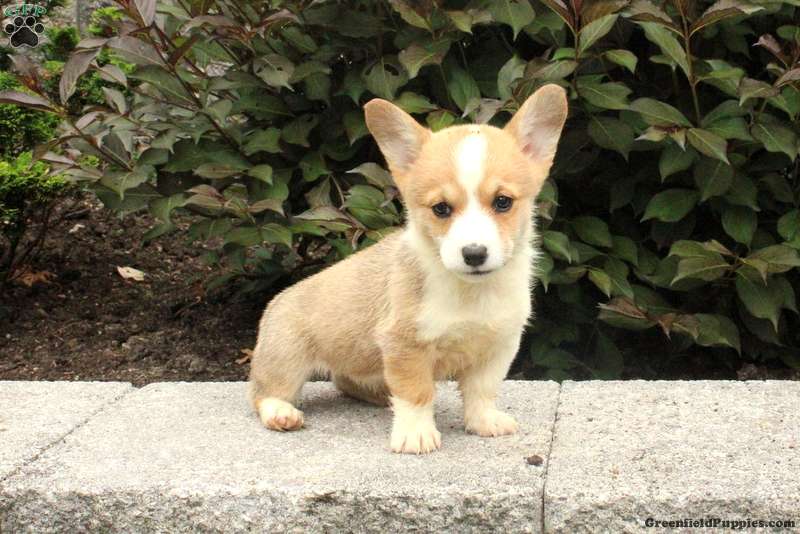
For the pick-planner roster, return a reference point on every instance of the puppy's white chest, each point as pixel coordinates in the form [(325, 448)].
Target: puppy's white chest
[(446, 314)]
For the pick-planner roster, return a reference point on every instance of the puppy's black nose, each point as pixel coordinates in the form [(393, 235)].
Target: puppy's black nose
[(474, 255)]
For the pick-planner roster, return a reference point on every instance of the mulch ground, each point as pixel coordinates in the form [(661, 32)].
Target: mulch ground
[(90, 323)]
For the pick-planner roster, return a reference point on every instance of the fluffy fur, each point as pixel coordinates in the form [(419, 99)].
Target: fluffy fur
[(391, 320)]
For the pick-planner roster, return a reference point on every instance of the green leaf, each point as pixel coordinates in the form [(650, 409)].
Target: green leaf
[(275, 70), (276, 234), (673, 160), (164, 82), (383, 78), (779, 258), (557, 244), (789, 225), (759, 300), (625, 249), (187, 156), (743, 192), (375, 174), (666, 41), (317, 86), (604, 95), (515, 13), (658, 113), (440, 119), (297, 131), (409, 14), (121, 181), (209, 228), (612, 134), (776, 138), (740, 223), (592, 230), (246, 236), (74, 68), (306, 69), (717, 330), (750, 88), (601, 280), (262, 172), (721, 10), (414, 103), (726, 110), (313, 165), (624, 313), (417, 55), (595, 30), (354, 125), (512, 70), (698, 261), (162, 208), (623, 58), (461, 86), (731, 128), (265, 140), (671, 205), (216, 170), (713, 178), (461, 20), (709, 144)]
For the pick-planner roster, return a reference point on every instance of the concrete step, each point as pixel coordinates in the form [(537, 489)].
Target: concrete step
[(191, 457)]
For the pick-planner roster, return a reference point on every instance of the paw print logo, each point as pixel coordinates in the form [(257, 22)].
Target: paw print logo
[(24, 31)]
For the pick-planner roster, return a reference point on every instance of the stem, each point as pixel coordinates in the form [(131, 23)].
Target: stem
[(110, 156), (690, 73)]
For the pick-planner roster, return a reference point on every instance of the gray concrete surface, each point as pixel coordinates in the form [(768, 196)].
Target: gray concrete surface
[(179, 457), (35, 415), (627, 451)]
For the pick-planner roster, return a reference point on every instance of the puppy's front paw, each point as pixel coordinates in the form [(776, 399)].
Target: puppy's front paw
[(492, 423), (279, 415), (420, 438)]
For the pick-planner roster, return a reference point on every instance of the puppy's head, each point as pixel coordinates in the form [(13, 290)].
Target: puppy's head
[(469, 190)]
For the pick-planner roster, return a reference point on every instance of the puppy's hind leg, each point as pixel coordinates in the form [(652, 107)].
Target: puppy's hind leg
[(374, 392), (276, 376)]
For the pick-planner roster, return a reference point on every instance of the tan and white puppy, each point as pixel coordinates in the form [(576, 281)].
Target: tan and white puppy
[(448, 297)]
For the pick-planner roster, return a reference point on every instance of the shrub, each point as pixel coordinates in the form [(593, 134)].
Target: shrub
[(20, 127), (27, 194), (670, 225), (61, 42)]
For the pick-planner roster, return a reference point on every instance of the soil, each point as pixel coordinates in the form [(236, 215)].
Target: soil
[(87, 322)]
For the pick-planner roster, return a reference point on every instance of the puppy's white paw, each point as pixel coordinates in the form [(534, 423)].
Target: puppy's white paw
[(419, 438), (492, 423), (277, 414), (413, 429)]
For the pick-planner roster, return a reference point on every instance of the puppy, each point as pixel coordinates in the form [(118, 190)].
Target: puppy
[(447, 297)]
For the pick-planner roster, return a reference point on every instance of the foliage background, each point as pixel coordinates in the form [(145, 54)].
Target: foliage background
[(670, 223)]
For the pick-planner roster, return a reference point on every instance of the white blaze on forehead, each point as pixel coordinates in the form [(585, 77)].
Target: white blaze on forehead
[(471, 161), (474, 225)]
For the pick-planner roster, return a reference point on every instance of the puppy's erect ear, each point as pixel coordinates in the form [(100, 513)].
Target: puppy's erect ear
[(538, 123), (399, 136)]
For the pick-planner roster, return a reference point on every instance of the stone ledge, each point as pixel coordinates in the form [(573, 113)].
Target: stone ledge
[(180, 457), (627, 451), (175, 457), (35, 415)]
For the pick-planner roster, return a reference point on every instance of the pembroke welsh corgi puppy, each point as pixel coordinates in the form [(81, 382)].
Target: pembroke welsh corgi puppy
[(447, 297)]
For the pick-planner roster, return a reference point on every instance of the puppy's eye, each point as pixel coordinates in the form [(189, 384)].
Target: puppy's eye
[(502, 203), (442, 210)]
